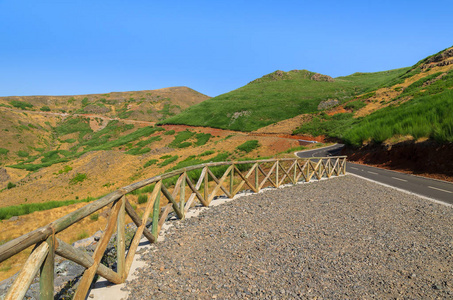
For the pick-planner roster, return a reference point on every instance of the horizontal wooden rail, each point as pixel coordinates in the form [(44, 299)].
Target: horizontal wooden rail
[(212, 182)]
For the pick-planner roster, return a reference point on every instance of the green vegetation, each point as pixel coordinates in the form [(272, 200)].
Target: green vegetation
[(181, 138), (355, 105), (428, 116), (3, 151), (69, 141), (170, 132), (94, 217), (168, 161), (75, 124), (138, 151), (248, 146), (65, 169), (10, 185), (202, 138), (142, 199), (27, 208), (82, 235), (80, 177), (294, 149), (150, 163), (206, 153), (112, 136), (21, 104), (274, 98), (22, 153), (45, 108), (331, 126)]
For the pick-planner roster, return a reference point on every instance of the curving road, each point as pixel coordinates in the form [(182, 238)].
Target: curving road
[(427, 187)]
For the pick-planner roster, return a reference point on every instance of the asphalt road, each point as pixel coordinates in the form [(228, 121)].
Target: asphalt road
[(431, 188)]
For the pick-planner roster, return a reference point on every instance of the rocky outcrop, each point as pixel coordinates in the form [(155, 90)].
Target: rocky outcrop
[(329, 103), (442, 59), (321, 77)]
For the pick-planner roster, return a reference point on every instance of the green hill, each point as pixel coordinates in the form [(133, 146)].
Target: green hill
[(279, 96), (417, 104)]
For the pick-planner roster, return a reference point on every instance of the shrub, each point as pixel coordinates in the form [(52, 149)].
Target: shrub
[(169, 161), (65, 169), (206, 153), (142, 198), (138, 151), (180, 138), (78, 178), (202, 138), (22, 153), (23, 209), (10, 185), (45, 108), (4, 151), (355, 105), (94, 217), (82, 235), (170, 132), (150, 162), (20, 104), (248, 146)]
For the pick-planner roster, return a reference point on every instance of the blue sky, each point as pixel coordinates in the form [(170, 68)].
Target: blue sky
[(80, 47)]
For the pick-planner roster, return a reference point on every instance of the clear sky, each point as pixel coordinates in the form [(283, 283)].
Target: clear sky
[(97, 46)]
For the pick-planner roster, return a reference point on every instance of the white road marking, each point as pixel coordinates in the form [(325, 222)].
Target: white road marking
[(404, 191), (399, 179), (373, 173), (440, 189), (354, 168)]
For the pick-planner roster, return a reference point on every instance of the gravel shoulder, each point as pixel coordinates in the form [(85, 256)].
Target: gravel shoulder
[(340, 238)]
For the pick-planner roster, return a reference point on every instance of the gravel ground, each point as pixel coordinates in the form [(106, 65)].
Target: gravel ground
[(335, 239)]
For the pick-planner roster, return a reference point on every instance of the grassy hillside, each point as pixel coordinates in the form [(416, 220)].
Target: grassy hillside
[(417, 104), (149, 105), (278, 96)]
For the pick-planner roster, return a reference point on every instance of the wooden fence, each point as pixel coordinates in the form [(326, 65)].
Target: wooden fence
[(204, 182)]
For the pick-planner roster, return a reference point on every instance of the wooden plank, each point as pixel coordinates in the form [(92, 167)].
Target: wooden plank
[(46, 277), (121, 239), (276, 174), (268, 176), (85, 260), (87, 278), (136, 219), (194, 195), (206, 186), (301, 171), (182, 195), (287, 174), (28, 273), (156, 212), (219, 184), (245, 179), (173, 201), (195, 192), (232, 182), (140, 229), (257, 186)]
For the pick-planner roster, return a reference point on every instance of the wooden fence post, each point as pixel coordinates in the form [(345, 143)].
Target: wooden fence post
[(276, 174), (206, 185), (257, 183), (156, 212), (232, 181), (182, 194), (121, 239), (46, 280)]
